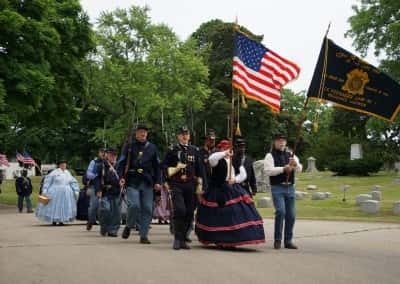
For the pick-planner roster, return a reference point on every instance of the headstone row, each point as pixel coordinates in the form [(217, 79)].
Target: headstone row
[(370, 203)]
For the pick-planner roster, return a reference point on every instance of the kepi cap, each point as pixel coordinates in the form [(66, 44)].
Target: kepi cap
[(183, 129)]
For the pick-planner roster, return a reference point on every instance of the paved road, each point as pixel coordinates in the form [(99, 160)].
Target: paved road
[(331, 252)]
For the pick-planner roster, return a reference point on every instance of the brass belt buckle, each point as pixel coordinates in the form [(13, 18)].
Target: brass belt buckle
[(140, 171)]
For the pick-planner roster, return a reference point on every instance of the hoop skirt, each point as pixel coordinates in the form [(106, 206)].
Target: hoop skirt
[(60, 186), (227, 217)]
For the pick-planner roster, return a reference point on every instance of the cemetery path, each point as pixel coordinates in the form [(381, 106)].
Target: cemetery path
[(330, 252)]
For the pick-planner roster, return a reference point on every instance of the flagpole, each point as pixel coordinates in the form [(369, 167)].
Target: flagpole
[(327, 30), (305, 107), (322, 83), (325, 62), (238, 132), (232, 120)]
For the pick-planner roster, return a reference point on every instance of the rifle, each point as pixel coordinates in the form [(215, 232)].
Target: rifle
[(129, 154), (128, 144)]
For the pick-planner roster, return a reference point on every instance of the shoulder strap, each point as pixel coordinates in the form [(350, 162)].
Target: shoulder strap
[(103, 170), (112, 169)]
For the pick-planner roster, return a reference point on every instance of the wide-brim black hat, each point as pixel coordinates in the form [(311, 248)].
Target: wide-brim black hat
[(240, 141), (210, 135), (111, 150), (279, 136), (142, 126)]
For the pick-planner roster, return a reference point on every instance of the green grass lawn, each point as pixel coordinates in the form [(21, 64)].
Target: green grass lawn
[(329, 209), (9, 195), (334, 208)]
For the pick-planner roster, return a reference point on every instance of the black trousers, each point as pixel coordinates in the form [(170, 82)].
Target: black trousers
[(184, 204)]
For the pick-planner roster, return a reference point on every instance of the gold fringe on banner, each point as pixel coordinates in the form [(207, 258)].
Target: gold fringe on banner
[(238, 132), (315, 122), (244, 102)]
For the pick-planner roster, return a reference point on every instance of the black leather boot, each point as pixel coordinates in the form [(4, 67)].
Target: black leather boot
[(177, 244), (126, 232)]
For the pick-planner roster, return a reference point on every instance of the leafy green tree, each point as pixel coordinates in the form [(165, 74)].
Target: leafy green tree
[(376, 25), (142, 71), (349, 124), (384, 137), (42, 44)]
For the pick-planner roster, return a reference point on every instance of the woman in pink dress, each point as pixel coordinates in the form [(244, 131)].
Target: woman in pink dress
[(161, 211)]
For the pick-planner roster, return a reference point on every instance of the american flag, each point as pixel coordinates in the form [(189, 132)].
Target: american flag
[(4, 160), (19, 157), (259, 72), (25, 159), (28, 160)]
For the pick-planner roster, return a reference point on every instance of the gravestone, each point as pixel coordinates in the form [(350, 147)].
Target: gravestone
[(396, 208), (376, 195), (312, 187), (300, 195), (345, 187), (264, 202), (261, 178), (311, 168), (363, 197), (376, 188), (356, 152), (397, 167), (318, 196), (370, 206)]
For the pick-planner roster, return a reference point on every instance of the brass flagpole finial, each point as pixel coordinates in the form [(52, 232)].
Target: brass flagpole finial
[(327, 30), (236, 24), (238, 132)]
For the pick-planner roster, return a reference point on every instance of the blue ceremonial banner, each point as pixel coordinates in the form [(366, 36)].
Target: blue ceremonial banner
[(351, 83)]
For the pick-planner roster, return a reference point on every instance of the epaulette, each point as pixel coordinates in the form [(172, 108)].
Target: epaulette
[(193, 147)]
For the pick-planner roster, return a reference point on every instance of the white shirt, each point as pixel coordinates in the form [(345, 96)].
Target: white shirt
[(271, 170), (214, 159)]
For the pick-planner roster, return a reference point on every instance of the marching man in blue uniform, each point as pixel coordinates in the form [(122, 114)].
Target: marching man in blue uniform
[(207, 149), (185, 175), (107, 189), (139, 170), (94, 200)]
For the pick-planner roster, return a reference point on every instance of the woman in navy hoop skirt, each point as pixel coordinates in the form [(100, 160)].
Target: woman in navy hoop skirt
[(226, 215)]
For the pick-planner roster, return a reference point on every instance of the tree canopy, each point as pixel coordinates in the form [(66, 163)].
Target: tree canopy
[(67, 87), (375, 26)]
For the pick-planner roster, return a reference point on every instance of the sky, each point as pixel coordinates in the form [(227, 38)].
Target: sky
[(293, 29)]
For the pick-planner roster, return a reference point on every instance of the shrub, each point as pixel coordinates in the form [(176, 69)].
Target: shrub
[(360, 167)]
